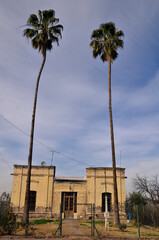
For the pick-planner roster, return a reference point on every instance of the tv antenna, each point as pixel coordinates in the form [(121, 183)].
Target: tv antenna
[(52, 155)]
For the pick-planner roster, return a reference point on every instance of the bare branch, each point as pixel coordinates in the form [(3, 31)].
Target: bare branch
[(149, 188)]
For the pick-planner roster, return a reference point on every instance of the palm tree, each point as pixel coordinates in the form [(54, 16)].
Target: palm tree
[(43, 31), (105, 42)]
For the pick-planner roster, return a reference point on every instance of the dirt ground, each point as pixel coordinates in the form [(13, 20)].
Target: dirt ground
[(80, 229)]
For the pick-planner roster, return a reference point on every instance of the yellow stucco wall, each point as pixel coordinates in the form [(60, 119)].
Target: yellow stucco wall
[(49, 190), (41, 182), (100, 180), (80, 188)]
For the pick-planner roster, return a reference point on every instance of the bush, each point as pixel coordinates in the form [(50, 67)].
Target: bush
[(8, 224), (148, 213), (4, 201), (122, 226)]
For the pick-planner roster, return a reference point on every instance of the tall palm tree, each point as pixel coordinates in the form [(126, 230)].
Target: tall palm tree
[(43, 31), (105, 42)]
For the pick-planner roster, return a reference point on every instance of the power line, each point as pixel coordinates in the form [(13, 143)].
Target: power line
[(74, 159), (44, 145), (14, 125), (26, 134)]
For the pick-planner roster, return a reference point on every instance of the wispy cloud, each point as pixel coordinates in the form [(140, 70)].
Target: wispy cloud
[(72, 112)]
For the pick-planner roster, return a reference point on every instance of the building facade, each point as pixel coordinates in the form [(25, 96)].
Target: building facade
[(75, 194)]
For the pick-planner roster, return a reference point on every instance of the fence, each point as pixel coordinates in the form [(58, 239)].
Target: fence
[(148, 214), (91, 217)]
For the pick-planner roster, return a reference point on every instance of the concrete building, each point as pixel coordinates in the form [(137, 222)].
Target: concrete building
[(75, 193)]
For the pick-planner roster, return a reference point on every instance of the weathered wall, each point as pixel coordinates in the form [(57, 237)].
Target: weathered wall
[(100, 180), (49, 191), (41, 182), (60, 187)]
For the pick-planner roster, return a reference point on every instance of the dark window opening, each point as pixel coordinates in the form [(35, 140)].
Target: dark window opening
[(104, 196), (32, 202)]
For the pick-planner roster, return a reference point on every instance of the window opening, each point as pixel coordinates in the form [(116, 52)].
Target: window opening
[(104, 195), (32, 201)]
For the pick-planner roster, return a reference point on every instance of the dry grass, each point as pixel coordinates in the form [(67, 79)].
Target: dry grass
[(80, 229)]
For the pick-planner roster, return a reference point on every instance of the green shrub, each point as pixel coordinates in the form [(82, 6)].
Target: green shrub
[(8, 224)]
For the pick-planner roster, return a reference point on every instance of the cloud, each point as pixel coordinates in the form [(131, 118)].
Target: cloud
[(143, 98), (72, 112)]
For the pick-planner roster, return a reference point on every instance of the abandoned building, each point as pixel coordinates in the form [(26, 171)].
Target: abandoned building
[(76, 194)]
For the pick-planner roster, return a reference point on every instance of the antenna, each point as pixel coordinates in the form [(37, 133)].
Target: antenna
[(52, 151), (52, 156)]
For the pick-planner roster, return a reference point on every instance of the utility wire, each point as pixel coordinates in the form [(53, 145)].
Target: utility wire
[(74, 159), (26, 134), (44, 145)]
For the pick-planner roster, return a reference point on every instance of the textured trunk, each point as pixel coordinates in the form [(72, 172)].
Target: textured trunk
[(116, 207), (27, 194)]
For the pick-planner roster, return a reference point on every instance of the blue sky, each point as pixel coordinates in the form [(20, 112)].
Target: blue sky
[(72, 113)]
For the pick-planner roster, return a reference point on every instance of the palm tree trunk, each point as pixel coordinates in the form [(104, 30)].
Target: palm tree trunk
[(116, 207), (27, 194)]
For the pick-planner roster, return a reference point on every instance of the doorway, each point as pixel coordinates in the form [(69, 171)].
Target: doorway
[(69, 201)]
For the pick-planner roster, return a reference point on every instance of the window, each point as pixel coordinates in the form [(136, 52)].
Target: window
[(106, 197), (32, 202)]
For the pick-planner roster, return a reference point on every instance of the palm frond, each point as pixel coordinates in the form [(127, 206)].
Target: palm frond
[(97, 48), (40, 16), (33, 20), (106, 40), (120, 43), (55, 39), (104, 57), (114, 54), (35, 42), (120, 33), (96, 34), (50, 13), (55, 30), (49, 45), (53, 20), (48, 16), (108, 28), (59, 26), (30, 33), (44, 31)]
